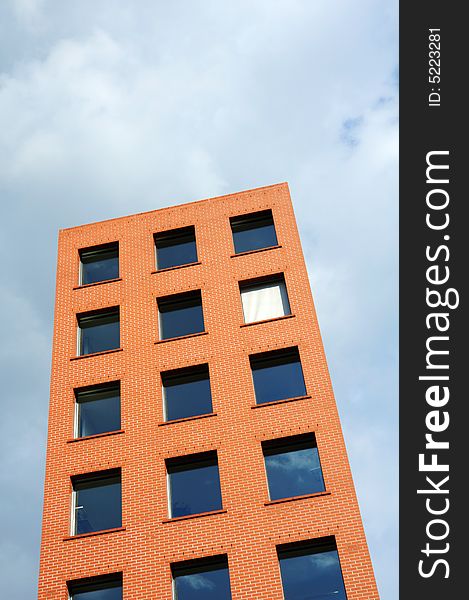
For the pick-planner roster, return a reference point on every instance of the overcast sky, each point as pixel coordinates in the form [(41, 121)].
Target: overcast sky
[(111, 108)]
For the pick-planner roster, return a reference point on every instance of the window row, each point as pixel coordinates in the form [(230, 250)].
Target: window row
[(178, 247), (182, 314), (276, 375), (292, 468), (308, 569)]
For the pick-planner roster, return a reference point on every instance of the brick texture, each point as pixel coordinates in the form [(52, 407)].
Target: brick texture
[(250, 530)]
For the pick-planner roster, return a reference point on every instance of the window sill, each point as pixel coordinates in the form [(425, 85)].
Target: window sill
[(96, 435), (268, 320), (283, 401), (193, 264), (97, 353), (196, 516), (184, 419), (182, 337), (255, 251), (87, 285), (93, 533), (293, 498)]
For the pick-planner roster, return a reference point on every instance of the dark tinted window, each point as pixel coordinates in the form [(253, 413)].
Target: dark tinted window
[(99, 331), (293, 467), (187, 392), (97, 502), (181, 314), (97, 588), (174, 248), (202, 580), (98, 409), (254, 231), (99, 263), (311, 571), (277, 375), (194, 484)]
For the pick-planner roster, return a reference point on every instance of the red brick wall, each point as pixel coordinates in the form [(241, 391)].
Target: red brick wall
[(249, 531)]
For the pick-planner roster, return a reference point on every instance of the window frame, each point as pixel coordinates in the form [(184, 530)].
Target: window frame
[(84, 478), (181, 463), (273, 356), (110, 247), (303, 548), (89, 315), (175, 299), (173, 234), (98, 582), (259, 283), (238, 221), (275, 446), (90, 389), (195, 566), (179, 374)]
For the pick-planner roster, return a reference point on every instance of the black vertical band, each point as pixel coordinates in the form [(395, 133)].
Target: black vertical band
[(433, 275)]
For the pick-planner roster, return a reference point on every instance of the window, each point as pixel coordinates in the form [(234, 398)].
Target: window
[(253, 232), (98, 409), (311, 570), (99, 263), (98, 331), (292, 466), (175, 248), (264, 299), (96, 502), (180, 314), (277, 375), (186, 392), (194, 484), (205, 579), (106, 587)]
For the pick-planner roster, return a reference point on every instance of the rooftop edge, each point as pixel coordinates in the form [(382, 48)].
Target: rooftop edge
[(156, 210)]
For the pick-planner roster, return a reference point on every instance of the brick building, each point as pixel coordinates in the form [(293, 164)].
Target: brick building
[(194, 448)]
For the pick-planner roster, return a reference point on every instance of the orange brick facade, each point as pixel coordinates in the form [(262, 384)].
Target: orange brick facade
[(250, 527)]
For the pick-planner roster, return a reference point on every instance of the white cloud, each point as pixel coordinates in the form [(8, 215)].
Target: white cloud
[(109, 109), (323, 561), (28, 12), (199, 582)]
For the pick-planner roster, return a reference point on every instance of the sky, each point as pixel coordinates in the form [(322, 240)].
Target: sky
[(112, 108)]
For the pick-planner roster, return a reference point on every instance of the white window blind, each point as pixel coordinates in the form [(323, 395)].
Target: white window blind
[(266, 300)]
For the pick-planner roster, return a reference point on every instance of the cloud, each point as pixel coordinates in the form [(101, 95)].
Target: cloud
[(109, 109), (199, 582), (324, 561), (24, 356), (303, 460), (28, 12)]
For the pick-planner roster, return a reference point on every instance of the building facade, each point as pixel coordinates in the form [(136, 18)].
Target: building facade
[(194, 447)]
